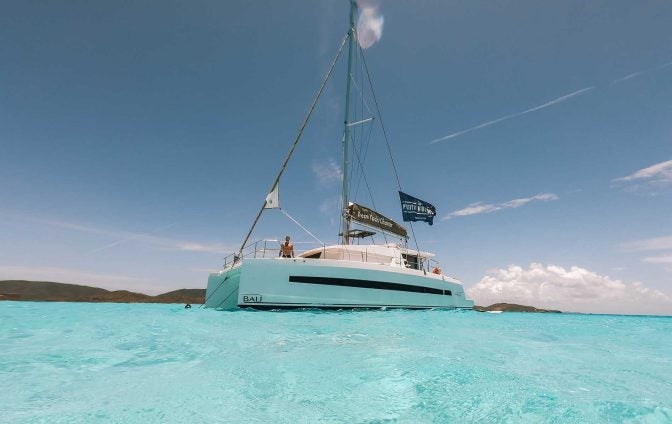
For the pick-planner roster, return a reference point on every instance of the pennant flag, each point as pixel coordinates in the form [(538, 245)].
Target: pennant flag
[(414, 209), (273, 198)]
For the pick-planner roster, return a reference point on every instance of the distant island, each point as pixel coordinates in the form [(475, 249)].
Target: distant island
[(47, 291), (512, 307)]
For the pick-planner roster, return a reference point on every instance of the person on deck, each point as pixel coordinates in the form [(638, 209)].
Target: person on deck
[(286, 249), (436, 270)]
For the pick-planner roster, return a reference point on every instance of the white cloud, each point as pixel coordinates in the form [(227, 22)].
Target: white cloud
[(481, 208), (654, 176), (571, 290), (473, 209), (327, 173), (121, 236), (661, 244), (516, 203), (665, 259), (657, 243), (662, 171), (549, 103), (330, 207)]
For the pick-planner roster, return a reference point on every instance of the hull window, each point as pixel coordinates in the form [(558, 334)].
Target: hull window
[(365, 284)]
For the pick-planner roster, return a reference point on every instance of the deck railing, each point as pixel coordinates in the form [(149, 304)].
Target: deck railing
[(263, 249), (269, 248)]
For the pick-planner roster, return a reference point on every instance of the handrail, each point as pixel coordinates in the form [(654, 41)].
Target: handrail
[(270, 248), (264, 248)]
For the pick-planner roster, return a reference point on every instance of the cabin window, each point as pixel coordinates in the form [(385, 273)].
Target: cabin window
[(314, 256)]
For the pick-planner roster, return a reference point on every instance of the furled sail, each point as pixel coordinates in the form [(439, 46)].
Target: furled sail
[(371, 218), (414, 209)]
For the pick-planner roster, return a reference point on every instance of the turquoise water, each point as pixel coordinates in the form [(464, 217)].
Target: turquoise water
[(88, 363)]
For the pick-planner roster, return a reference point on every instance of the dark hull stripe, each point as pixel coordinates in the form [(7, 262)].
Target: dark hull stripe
[(366, 284)]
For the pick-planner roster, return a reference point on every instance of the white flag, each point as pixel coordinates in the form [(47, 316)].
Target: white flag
[(273, 198)]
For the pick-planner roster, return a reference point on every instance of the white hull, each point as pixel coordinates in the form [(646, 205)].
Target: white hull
[(322, 283)]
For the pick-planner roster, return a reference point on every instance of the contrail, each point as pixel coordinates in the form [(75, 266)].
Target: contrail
[(639, 73), (133, 237), (515, 115), (627, 77), (124, 236)]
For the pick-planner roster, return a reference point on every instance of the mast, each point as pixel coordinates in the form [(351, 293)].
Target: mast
[(346, 128)]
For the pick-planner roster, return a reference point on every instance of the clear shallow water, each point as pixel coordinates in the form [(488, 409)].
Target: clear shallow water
[(87, 363)]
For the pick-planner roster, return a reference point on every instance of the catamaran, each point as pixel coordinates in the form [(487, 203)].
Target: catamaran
[(344, 275)]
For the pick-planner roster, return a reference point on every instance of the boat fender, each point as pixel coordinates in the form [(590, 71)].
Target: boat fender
[(187, 306)]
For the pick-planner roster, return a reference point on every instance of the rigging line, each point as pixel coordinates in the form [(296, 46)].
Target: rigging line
[(363, 159), (357, 132), (382, 125), (220, 285), (289, 155), (360, 87), (302, 227), (352, 168), (363, 121), (226, 298), (358, 116), (359, 110), (354, 132), (364, 141), (361, 95), (298, 137), (361, 167)]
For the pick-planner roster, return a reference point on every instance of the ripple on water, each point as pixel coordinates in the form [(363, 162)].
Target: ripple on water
[(67, 362)]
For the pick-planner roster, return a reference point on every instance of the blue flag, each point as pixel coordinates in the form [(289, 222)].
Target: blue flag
[(414, 209)]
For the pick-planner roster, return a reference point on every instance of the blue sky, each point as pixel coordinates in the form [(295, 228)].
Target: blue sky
[(138, 139)]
